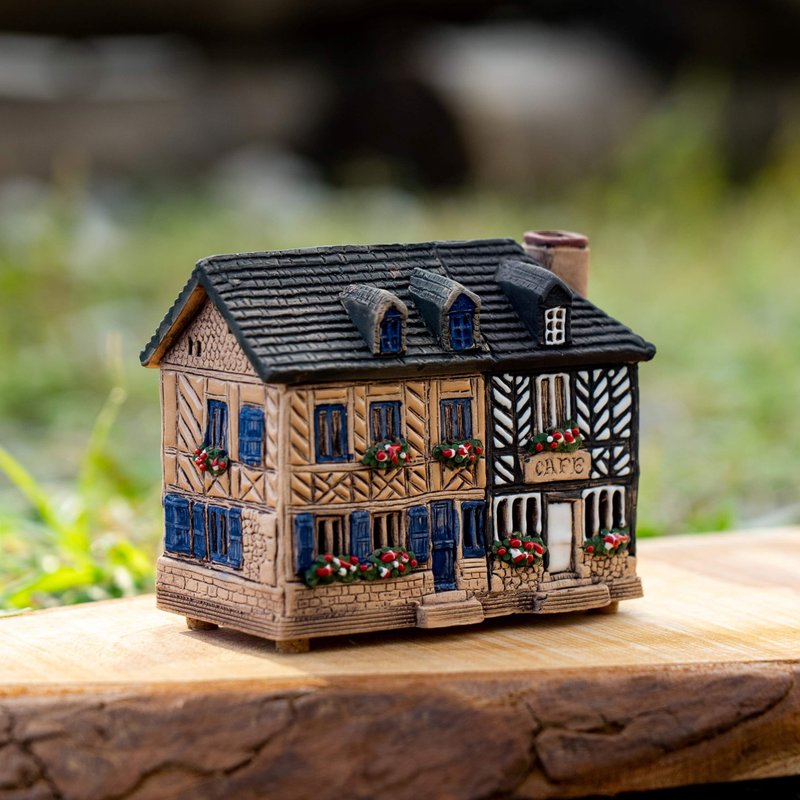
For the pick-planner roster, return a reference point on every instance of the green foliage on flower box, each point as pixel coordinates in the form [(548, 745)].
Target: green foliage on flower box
[(459, 453), (608, 543), (387, 454), (565, 439), (520, 551), (329, 568)]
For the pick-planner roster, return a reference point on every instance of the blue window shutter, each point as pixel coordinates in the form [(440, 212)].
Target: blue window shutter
[(330, 432), (199, 545), (218, 533), (418, 536), (473, 516), (217, 428), (251, 436), (303, 542), (235, 538), (176, 524), (360, 538), (456, 419)]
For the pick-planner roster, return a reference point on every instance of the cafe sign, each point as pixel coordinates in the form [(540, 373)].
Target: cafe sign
[(548, 467)]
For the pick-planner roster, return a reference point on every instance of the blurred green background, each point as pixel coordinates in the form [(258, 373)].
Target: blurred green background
[(694, 245)]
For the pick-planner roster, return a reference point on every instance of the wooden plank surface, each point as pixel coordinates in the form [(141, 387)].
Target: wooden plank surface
[(697, 682)]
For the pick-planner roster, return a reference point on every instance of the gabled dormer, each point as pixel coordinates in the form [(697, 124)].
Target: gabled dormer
[(379, 316), (541, 300), (449, 309)]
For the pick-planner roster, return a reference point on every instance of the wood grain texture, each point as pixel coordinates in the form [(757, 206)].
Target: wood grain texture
[(697, 682)]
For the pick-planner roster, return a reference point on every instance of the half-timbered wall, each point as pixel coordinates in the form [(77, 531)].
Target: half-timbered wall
[(326, 488), (206, 366), (603, 403)]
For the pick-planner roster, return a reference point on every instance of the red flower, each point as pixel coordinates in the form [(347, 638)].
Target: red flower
[(204, 455), (472, 456), (364, 567), (568, 436), (202, 468), (478, 449), (448, 452), (538, 549), (354, 559), (518, 558), (539, 447), (381, 455), (576, 431), (401, 567), (324, 572), (515, 542), (553, 445), (328, 557), (528, 545), (467, 445), (501, 551), (198, 451), (590, 549), (388, 556), (413, 562), (557, 435)]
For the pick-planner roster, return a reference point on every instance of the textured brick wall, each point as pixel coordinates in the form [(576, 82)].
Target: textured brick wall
[(339, 598), (472, 575), (220, 589), (259, 544)]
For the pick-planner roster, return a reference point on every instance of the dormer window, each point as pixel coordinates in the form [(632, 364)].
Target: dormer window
[(555, 325), (392, 331), (462, 323)]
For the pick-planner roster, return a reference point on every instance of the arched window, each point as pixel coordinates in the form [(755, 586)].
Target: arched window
[(462, 319), (391, 331)]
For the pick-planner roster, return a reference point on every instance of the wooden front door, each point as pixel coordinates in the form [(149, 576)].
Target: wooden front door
[(444, 546), (560, 533)]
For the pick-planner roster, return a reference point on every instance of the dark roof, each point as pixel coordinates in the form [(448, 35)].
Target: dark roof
[(284, 309)]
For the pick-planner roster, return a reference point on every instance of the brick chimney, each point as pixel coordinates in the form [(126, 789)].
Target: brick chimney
[(562, 252)]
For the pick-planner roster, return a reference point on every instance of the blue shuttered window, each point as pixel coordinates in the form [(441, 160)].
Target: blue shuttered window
[(456, 419), (384, 420), (176, 524), (199, 543), (391, 331), (213, 532), (330, 432), (217, 427), (472, 528), (251, 436), (418, 535), (462, 319), (360, 536), (235, 538), (303, 542)]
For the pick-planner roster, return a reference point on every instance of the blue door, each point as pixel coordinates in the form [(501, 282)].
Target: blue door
[(444, 536)]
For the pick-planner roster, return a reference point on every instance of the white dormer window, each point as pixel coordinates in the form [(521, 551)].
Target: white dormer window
[(555, 325)]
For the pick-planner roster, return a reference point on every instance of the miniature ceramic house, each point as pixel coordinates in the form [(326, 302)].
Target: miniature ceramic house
[(360, 438)]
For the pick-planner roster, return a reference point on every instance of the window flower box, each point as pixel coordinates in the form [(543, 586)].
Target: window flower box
[(387, 454), (520, 551), (381, 564), (213, 460), (565, 439), (458, 454), (607, 543)]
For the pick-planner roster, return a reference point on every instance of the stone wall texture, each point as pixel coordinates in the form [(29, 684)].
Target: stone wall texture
[(472, 575), (339, 598), (508, 578), (608, 569), (218, 349)]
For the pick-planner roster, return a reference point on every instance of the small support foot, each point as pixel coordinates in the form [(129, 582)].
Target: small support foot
[(293, 646), (194, 624), (611, 608)]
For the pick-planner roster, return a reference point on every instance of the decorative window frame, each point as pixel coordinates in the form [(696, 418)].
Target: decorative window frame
[(615, 506), (388, 409), (328, 410), (461, 323), (454, 435), (510, 509), (555, 325), (551, 381)]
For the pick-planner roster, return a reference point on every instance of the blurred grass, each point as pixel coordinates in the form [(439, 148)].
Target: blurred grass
[(704, 269)]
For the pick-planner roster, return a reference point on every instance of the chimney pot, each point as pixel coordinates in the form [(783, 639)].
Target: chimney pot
[(564, 253)]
